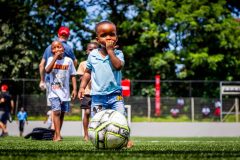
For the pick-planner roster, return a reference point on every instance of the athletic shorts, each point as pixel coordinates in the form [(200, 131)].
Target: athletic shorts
[(86, 102), (112, 101), (57, 105)]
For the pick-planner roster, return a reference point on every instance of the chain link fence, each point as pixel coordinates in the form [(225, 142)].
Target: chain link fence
[(184, 98)]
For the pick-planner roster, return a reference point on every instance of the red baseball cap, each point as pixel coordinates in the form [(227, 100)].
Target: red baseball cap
[(64, 31), (4, 87)]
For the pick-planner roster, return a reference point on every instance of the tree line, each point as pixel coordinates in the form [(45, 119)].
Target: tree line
[(178, 39)]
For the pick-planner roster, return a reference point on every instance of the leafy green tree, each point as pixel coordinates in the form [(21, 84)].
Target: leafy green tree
[(184, 39), (178, 39), (204, 36), (203, 39), (27, 27)]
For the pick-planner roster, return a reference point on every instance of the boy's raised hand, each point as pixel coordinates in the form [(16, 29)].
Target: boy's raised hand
[(111, 45), (59, 54)]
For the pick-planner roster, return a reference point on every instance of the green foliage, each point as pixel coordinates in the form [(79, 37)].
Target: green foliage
[(27, 27), (156, 36), (148, 91), (196, 28)]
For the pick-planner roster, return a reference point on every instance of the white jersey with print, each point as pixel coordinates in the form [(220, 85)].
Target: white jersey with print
[(60, 76)]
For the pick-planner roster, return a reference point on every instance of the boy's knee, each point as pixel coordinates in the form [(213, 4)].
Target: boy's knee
[(87, 112)]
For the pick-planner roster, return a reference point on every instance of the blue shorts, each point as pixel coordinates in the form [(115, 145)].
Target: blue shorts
[(86, 102), (112, 101), (57, 105)]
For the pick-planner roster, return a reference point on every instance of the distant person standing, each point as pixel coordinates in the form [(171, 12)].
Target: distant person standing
[(180, 103), (6, 108), (175, 112), (205, 111), (217, 110), (86, 101), (22, 118), (60, 69), (63, 35)]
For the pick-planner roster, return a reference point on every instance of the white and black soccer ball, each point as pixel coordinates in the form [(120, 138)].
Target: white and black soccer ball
[(109, 129)]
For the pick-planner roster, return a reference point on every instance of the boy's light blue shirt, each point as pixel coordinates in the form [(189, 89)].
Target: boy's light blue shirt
[(22, 116), (105, 78)]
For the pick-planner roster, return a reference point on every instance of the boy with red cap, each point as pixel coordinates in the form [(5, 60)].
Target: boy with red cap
[(63, 35)]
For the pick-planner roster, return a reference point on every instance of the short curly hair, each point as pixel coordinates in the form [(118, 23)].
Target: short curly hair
[(101, 23)]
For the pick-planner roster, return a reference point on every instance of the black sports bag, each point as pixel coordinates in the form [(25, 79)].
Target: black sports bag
[(40, 133)]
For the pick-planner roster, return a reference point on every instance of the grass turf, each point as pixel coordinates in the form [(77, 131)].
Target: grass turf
[(73, 148)]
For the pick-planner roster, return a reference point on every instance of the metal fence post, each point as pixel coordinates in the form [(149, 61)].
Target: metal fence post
[(128, 107), (192, 108), (237, 109), (149, 107)]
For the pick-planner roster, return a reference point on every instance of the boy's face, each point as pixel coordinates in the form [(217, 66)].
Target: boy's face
[(106, 33), (91, 47), (57, 48)]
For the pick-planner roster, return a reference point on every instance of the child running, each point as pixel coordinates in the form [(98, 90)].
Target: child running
[(60, 70), (104, 69)]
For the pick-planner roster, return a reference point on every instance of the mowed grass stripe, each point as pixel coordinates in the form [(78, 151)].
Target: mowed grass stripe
[(162, 148)]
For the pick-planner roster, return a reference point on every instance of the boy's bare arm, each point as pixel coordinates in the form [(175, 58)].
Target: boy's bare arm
[(75, 62), (116, 62), (85, 80), (41, 69), (74, 85), (50, 66), (12, 106)]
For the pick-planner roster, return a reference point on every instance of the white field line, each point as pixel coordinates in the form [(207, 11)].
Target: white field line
[(156, 141)]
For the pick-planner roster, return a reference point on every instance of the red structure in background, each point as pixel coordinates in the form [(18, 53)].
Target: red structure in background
[(157, 96), (126, 87)]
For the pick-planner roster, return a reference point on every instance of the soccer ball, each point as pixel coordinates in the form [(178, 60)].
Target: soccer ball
[(109, 129)]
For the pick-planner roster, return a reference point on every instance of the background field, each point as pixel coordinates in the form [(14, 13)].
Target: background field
[(145, 148)]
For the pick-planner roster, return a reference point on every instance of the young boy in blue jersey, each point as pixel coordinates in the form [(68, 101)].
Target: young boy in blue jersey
[(22, 118), (104, 69), (60, 69)]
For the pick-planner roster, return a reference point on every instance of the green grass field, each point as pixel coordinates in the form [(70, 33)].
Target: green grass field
[(73, 148)]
